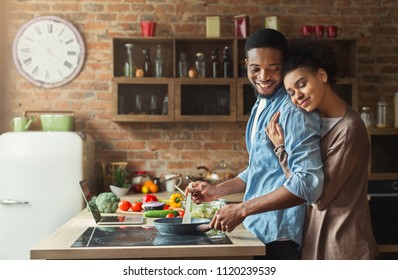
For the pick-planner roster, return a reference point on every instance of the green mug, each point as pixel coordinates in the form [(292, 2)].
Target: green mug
[(21, 124)]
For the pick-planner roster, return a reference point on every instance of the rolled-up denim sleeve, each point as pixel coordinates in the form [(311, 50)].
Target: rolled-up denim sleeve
[(302, 144), (244, 175)]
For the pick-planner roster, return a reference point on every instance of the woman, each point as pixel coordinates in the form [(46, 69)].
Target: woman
[(338, 225)]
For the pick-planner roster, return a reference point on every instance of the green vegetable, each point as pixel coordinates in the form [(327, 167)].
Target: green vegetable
[(120, 177), (159, 213), (107, 202)]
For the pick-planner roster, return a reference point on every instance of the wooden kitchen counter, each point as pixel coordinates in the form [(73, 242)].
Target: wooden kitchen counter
[(131, 196), (58, 246)]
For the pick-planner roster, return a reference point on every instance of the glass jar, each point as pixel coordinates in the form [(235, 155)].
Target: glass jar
[(382, 113), (366, 116), (140, 177), (200, 65), (207, 210)]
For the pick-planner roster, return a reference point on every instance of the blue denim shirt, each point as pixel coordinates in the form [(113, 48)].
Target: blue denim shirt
[(264, 174)]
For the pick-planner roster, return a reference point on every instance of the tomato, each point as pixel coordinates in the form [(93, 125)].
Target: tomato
[(170, 215), (124, 205), (136, 206), (165, 207), (149, 198), (181, 213)]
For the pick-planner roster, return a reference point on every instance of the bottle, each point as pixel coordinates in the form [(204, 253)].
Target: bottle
[(183, 65), (226, 63), (159, 62), (200, 65), (366, 116), (165, 105), (215, 65), (382, 113), (147, 65), (129, 69), (138, 105), (153, 107), (396, 110)]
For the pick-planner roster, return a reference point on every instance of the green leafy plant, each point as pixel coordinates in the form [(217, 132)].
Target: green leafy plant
[(121, 177)]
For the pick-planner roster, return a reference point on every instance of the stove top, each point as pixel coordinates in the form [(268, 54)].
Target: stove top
[(141, 236)]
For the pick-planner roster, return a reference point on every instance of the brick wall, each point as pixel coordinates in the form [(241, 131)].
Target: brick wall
[(182, 147)]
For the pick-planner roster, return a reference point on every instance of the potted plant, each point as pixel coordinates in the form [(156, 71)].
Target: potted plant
[(120, 181)]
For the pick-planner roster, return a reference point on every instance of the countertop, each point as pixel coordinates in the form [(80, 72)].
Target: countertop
[(58, 245)]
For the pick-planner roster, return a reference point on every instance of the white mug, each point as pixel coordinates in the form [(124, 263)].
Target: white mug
[(171, 181)]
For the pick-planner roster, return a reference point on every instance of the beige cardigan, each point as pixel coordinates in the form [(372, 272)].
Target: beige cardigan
[(338, 225)]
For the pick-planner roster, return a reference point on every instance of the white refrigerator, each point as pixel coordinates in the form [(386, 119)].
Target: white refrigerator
[(39, 185)]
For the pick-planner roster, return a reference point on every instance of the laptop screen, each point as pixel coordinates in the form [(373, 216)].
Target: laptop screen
[(88, 198)]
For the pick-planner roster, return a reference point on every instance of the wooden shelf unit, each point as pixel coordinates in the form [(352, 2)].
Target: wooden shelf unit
[(202, 99)]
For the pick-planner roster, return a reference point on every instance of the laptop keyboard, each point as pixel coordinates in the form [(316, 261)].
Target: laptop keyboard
[(112, 219)]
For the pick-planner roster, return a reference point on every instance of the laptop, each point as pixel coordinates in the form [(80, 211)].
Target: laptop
[(107, 220)]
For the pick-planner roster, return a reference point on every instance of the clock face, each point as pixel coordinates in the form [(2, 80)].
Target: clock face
[(48, 51)]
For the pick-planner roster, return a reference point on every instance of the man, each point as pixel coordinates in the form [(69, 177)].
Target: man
[(272, 208)]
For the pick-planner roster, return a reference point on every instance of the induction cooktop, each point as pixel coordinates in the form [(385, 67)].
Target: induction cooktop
[(142, 236)]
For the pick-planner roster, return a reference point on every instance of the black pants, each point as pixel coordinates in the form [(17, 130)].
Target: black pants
[(281, 250)]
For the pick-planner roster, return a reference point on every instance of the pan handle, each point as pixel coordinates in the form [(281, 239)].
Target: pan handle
[(203, 227)]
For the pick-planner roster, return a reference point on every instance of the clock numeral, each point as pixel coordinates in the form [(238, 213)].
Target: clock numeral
[(60, 74), (47, 75), (72, 53), (28, 38), (38, 31), (27, 61), (26, 50), (49, 28), (69, 41), (68, 64), (62, 31), (35, 71)]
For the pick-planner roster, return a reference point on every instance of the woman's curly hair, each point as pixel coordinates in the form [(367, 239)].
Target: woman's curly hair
[(312, 55)]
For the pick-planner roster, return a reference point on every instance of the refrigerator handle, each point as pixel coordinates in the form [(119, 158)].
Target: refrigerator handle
[(11, 201)]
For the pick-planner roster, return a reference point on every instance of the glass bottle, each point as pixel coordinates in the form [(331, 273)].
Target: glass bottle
[(382, 113), (226, 63), (159, 62), (153, 106), (215, 65), (165, 105), (129, 70), (183, 65), (138, 105), (366, 116), (200, 65), (147, 65)]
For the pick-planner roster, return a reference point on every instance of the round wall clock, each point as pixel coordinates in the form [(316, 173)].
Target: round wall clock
[(48, 51)]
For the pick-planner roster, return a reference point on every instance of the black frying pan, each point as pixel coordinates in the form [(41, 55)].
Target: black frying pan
[(176, 227)]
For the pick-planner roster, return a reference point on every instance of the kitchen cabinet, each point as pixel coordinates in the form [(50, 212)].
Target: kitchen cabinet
[(384, 153), (201, 99)]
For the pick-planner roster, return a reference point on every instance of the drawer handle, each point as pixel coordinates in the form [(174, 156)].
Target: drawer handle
[(11, 201)]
